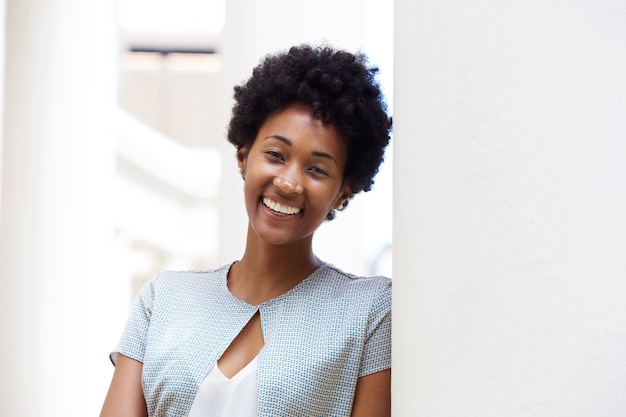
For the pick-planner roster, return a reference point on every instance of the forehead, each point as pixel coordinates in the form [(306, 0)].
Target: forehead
[(298, 124)]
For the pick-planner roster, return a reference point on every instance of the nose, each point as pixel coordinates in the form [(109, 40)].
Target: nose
[(288, 184)]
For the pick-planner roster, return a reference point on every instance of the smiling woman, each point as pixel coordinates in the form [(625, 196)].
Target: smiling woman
[(293, 172), (280, 331)]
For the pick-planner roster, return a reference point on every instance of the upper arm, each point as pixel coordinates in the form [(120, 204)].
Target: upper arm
[(125, 397), (372, 397)]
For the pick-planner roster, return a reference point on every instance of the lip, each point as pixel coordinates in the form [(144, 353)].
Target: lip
[(280, 208)]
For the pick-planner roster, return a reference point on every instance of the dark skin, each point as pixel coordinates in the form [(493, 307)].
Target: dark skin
[(302, 176)]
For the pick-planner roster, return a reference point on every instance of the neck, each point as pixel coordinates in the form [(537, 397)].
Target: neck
[(266, 271)]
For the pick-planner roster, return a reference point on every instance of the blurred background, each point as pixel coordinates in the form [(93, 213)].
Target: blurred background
[(115, 166), (176, 174)]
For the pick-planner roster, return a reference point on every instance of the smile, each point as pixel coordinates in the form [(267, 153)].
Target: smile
[(279, 208)]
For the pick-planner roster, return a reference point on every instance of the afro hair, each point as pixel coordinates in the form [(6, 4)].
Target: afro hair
[(339, 86)]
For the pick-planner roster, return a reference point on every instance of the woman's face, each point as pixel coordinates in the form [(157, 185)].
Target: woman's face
[(293, 175)]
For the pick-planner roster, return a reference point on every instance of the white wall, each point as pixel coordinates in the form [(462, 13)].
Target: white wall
[(510, 202), (56, 291), (2, 53)]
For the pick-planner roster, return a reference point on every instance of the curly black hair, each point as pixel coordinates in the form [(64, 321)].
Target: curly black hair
[(341, 89)]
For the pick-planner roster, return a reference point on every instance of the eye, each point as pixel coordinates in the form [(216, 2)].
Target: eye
[(320, 171), (274, 155)]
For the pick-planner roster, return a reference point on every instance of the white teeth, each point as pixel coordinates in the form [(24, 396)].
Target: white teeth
[(279, 208)]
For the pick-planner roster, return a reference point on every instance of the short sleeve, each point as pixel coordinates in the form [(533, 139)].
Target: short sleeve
[(133, 341), (377, 350)]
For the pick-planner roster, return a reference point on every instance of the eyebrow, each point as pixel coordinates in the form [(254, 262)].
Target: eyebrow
[(289, 143)]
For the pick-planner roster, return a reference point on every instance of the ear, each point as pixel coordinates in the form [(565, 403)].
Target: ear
[(344, 194), (242, 160)]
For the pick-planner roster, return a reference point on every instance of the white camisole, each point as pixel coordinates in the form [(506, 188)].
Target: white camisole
[(219, 396)]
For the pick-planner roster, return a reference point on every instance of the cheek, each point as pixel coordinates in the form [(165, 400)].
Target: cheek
[(249, 189), (257, 178), (330, 195)]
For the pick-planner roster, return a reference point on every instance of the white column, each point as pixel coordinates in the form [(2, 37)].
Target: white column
[(55, 221), (510, 202), (252, 30), (2, 62)]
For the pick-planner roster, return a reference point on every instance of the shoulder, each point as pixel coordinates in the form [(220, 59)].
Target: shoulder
[(364, 290), (183, 285), (365, 283), (189, 278)]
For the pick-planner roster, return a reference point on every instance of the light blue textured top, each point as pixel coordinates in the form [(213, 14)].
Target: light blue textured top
[(320, 337)]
